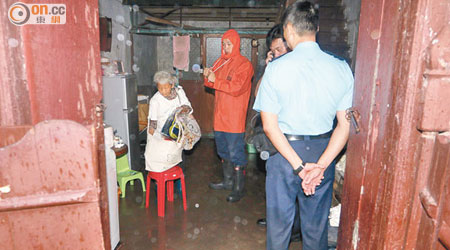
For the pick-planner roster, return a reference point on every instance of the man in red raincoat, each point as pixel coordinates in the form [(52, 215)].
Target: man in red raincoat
[(231, 77)]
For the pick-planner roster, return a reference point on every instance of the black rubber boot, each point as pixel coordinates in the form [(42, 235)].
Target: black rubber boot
[(227, 182), (238, 184)]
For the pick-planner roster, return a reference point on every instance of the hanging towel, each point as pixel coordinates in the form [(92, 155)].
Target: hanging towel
[(181, 48)]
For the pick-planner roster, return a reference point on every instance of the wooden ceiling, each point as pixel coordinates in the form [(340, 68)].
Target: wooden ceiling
[(212, 10), (215, 14)]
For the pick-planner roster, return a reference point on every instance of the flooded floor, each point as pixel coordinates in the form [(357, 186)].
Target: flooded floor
[(210, 222)]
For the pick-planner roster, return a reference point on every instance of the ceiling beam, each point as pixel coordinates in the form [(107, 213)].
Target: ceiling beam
[(145, 11), (202, 3), (169, 12), (167, 22), (212, 9), (216, 14), (259, 33)]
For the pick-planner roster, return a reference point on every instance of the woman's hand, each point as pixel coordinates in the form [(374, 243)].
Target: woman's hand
[(152, 127), (209, 74), (185, 109), (212, 77), (206, 72)]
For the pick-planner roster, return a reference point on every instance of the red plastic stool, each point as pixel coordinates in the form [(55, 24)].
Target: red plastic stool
[(161, 178)]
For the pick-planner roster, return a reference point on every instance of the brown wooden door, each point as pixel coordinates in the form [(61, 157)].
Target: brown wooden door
[(51, 137), (52, 201), (432, 223), (430, 215), (202, 101), (397, 174)]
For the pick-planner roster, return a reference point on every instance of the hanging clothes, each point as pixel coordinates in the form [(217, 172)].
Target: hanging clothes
[(181, 48)]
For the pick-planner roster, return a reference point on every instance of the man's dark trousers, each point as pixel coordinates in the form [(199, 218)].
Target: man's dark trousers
[(283, 187), (231, 147)]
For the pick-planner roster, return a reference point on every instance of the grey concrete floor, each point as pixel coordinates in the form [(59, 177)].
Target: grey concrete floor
[(210, 222)]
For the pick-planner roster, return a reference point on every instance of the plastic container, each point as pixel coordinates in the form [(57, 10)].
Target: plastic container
[(251, 149)]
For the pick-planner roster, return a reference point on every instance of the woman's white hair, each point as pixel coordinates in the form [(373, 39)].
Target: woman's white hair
[(163, 77)]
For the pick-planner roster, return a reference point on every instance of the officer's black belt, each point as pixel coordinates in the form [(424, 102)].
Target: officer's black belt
[(308, 137)]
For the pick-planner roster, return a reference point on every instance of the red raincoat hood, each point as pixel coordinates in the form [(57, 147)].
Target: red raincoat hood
[(234, 38)]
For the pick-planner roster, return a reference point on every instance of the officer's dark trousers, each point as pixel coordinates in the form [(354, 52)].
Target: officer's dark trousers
[(283, 187)]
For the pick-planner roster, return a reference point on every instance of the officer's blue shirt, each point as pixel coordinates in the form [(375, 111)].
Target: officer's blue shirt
[(305, 88)]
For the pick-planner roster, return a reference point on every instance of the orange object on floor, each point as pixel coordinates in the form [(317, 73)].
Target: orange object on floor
[(161, 178)]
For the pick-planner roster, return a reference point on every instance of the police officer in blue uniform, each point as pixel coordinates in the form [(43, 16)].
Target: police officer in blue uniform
[(299, 97)]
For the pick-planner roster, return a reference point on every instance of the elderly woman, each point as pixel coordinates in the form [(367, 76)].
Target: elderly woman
[(160, 153)]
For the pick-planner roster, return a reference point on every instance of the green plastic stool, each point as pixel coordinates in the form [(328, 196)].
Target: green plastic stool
[(125, 174)]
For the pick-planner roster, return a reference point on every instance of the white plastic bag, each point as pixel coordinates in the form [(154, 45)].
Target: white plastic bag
[(161, 154)]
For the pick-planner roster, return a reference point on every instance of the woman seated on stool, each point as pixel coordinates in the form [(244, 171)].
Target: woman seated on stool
[(162, 153)]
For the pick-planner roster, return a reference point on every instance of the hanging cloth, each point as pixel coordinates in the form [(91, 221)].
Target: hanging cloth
[(181, 48)]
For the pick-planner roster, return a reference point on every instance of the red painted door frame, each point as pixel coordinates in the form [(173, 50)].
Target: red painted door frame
[(52, 72), (397, 167)]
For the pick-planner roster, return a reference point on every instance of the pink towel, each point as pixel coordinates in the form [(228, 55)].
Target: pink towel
[(181, 48)]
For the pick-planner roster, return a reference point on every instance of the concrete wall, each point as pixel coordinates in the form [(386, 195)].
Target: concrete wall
[(145, 58), (120, 16), (165, 53), (137, 52), (351, 12)]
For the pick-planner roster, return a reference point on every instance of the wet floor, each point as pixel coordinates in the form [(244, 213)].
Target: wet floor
[(210, 222)]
